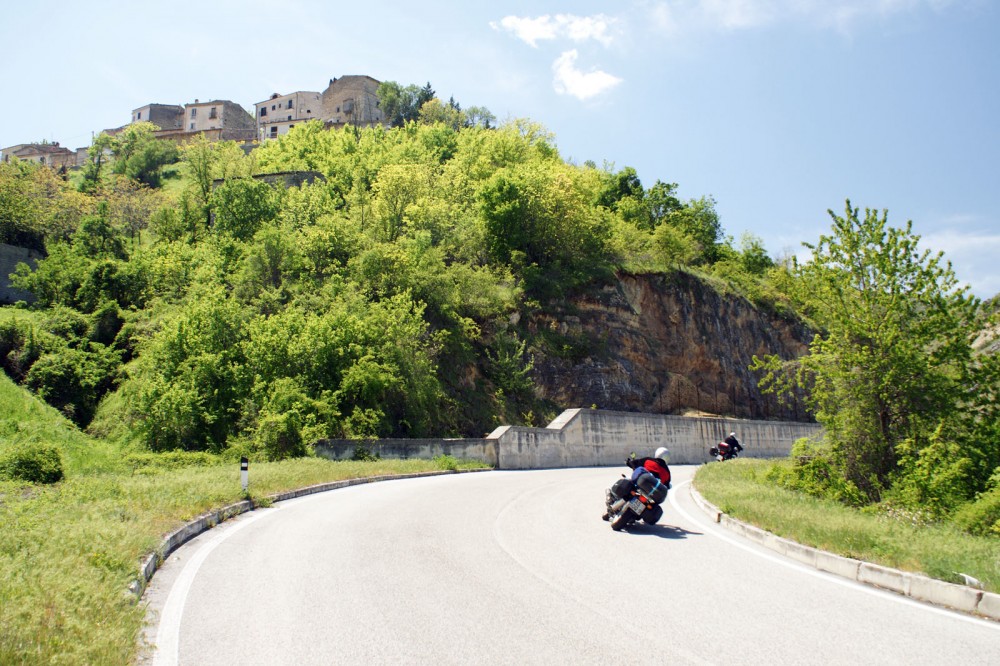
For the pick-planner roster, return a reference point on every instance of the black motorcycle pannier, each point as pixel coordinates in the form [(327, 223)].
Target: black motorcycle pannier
[(621, 488), (652, 487)]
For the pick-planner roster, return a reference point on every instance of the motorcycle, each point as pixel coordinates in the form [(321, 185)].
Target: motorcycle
[(629, 501), (726, 453)]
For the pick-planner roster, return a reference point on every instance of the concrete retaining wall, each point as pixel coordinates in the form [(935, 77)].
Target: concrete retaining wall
[(590, 438), (423, 449)]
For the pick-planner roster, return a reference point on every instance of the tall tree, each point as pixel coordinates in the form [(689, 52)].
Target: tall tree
[(892, 362)]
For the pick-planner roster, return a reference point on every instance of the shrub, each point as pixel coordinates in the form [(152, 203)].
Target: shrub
[(816, 472), (445, 461), (981, 517), (280, 436), (147, 462), (364, 454), (35, 462)]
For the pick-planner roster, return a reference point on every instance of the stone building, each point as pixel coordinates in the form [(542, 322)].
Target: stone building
[(164, 116), (218, 120), (280, 113), (50, 154), (352, 100)]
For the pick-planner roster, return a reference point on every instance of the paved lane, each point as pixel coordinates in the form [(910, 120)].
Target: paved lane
[(518, 568)]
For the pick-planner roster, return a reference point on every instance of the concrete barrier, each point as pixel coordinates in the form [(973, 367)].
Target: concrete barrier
[(421, 449), (589, 438), (593, 437)]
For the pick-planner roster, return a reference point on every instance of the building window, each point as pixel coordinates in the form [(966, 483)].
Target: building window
[(309, 110), (192, 127), (138, 116), (194, 112), (263, 111), (289, 117), (274, 131), (273, 107), (291, 126), (289, 104), (212, 114)]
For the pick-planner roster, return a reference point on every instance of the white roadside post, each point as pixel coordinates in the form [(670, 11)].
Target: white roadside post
[(245, 472)]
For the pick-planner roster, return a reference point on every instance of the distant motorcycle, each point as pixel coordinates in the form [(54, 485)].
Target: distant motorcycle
[(628, 502), (722, 453)]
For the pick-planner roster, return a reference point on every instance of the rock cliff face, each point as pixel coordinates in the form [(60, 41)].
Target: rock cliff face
[(663, 344)]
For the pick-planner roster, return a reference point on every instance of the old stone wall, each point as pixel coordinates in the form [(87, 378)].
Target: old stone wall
[(10, 257), (352, 100)]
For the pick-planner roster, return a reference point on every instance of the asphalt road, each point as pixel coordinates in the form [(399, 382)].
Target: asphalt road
[(518, 568)]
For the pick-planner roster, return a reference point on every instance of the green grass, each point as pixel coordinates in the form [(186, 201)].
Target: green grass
[(741, 489), (69, 551)]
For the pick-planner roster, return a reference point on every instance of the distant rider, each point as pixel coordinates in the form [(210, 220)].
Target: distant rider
[(730, 446)]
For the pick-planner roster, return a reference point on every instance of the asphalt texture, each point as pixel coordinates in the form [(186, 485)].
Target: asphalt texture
[(518, 568)]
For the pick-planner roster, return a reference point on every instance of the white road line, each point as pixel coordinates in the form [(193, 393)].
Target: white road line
[(167, 648), (829, 577)]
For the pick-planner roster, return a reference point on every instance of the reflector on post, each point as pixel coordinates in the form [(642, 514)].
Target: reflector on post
[(245, 472)]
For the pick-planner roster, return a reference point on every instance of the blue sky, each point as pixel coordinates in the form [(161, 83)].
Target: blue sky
[(778, 109)]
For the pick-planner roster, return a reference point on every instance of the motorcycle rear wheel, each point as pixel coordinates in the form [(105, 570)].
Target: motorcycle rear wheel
[(620, 521)]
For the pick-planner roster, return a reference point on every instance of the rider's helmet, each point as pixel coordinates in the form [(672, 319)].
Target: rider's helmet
[(662, 453), (733, 435)]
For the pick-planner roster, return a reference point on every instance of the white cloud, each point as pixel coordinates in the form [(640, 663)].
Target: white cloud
[(972, 255), (570, 80), (560, 26)]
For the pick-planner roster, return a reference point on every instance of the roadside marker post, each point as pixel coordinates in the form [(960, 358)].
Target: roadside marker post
[(245, 472)]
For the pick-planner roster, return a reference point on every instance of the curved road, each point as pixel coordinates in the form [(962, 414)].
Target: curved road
[(517, 568)]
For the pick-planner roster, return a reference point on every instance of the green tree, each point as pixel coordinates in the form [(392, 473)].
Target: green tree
[(242, 205), (399, 104), (98, 153), (892, 363), (700, 221), (140, 155)]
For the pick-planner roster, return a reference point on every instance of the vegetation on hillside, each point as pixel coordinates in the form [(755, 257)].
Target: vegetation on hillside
[(375, 301)]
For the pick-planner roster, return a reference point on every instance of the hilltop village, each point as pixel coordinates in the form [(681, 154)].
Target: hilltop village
[(348, 100)]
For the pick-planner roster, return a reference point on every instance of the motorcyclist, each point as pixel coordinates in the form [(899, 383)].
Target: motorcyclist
[(656, 465), (730, 446)]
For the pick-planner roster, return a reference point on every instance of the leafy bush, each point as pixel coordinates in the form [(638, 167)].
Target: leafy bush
[(981, 517), (364, 454), (170, 460), (445, 461), (280, 436), (815, 472), (35, 462)]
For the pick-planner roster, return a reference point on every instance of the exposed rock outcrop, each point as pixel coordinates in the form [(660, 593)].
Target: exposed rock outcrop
[(663, 344)]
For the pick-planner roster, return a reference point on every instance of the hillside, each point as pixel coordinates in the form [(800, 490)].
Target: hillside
[(664, 343)]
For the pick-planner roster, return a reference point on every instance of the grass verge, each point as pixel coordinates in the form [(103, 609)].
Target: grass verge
[(741, 489)]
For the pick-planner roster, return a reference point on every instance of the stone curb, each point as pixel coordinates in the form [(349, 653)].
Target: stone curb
[(916, 586), (207, 521)]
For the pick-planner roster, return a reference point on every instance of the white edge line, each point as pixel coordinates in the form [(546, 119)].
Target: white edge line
[(167, 647), (823, 575)]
